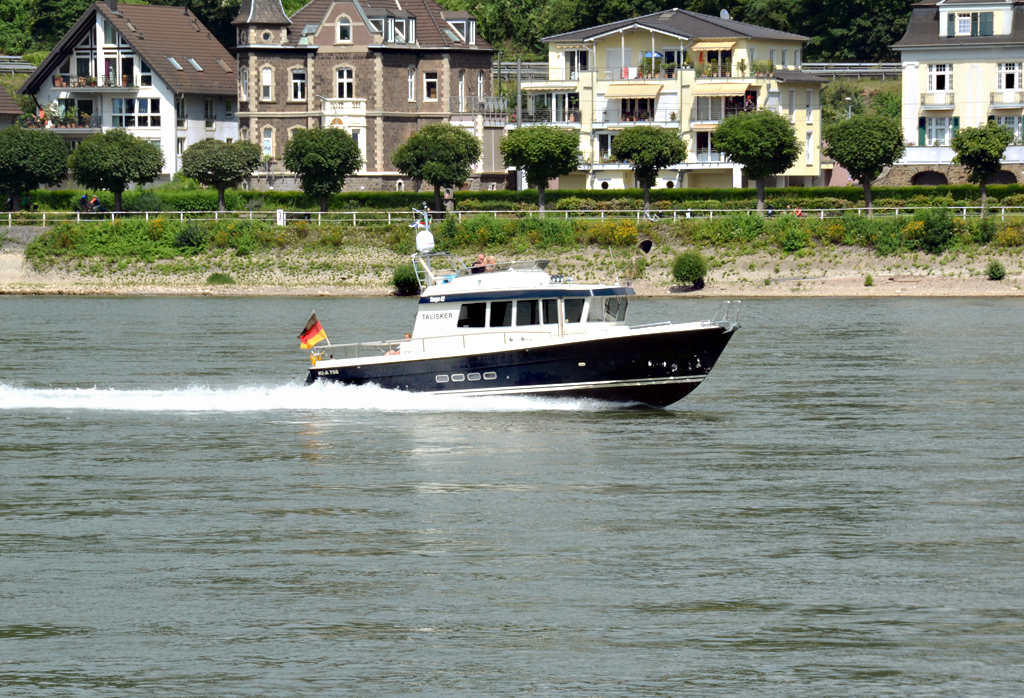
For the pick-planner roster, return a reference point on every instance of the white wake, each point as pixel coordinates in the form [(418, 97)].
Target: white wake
[(319, 396)]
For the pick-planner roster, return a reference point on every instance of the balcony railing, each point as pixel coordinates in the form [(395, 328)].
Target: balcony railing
[(634, 73), (489, 107), (713, 114), (615, 114), (552, 116), (342, 106), (937, 99), (1007, 99), (93, 121), (711, 156), (111, 82)]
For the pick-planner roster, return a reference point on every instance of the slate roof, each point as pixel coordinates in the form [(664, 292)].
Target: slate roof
[(923, 29), (685, 23), (430, 22), (261, 12), (156, 32)]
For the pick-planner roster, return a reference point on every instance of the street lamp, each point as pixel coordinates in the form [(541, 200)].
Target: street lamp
[(849, 107)]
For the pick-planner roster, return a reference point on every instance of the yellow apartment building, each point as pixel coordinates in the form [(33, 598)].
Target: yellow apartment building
[(678, 70)]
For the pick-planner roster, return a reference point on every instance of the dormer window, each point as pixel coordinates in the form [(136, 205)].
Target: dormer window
[(410, 32), (344, 31), (969, 24), (400, 31), (377, 26), (391, 30), (471, 39), (460, 27)]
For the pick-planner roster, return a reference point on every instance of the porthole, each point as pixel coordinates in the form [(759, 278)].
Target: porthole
[(458, 377), (490, 376), (473, 376), (441, 379), (267, 36)]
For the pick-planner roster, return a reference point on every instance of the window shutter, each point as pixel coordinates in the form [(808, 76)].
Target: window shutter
[(974, 24), (986, 24), (920, 130), (956, 125), (951, 24)]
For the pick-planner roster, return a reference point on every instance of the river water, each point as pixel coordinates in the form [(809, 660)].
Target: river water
[(837, 511)]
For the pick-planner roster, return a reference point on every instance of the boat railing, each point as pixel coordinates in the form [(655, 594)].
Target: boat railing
[(728, 313), (394, 347)]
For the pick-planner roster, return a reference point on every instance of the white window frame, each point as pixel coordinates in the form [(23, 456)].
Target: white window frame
[(937, 70), (426, 86), (962, 24), (298, 86), (796, 58), (809, 147), (480, 83), (752, 52), (267, 141), (180, 145), (345, 82), (462, 90), (181, 113), (1015, 124), (400, 31), (412, 84), (810, 107), (937, 130), (266, 83), (344, 22), (785, 57), (243, 85), (771, 55), (1012, 70)]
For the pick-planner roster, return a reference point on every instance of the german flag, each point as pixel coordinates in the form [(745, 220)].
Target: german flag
[(313, 333)]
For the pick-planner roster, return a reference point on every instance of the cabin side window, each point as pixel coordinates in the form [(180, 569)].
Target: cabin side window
[(595, 310), (472, 315), (528, 313), (573, 309), (501, 314), (615, 309), (550, 311)]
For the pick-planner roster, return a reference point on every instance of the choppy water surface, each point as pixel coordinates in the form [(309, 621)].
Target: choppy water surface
[(836, 511)]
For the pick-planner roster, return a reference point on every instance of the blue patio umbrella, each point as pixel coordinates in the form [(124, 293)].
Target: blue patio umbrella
[(652, 55)]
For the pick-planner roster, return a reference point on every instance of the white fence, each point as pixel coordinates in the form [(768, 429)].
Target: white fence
[(356, 218)]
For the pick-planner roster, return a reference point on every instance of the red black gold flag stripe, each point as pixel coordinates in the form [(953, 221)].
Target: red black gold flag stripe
[(313, 333)]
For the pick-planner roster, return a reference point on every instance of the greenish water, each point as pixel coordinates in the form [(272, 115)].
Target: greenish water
[(836, 511)]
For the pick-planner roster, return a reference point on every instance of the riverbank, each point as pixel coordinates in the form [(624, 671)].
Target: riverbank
[(824, 271)]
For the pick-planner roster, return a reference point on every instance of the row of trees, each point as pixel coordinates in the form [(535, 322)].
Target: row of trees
[(763, 142)]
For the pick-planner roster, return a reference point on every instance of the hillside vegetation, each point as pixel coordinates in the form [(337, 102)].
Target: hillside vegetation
[(841, 30)]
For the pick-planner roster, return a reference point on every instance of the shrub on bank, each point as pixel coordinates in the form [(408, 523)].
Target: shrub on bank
[(690, 267), (995, 270), (405, 281)]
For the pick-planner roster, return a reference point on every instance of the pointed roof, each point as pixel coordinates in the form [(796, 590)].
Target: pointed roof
[(158, 33), (261, 12), (682, 23)]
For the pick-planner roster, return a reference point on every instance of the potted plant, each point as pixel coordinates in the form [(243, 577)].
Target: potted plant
[(670, 70), (90, 81), (71, 117), (742, 65)]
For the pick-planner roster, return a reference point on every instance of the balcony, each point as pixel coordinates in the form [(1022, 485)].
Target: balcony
[(615, 114), (937, 101), (486, 106), (634, 73), (83, 122), (342, 106), (710, 156), (1006, 100), (551, 116), (713, 114), (92, 83)]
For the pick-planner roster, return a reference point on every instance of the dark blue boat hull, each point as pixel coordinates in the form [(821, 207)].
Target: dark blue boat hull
[(654, 369)]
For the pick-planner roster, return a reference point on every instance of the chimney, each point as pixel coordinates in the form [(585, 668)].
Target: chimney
[(112, 4)]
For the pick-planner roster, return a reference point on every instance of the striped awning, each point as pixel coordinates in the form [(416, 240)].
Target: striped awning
[(706, 126), (639, 90), (713, 46), (720, 89)]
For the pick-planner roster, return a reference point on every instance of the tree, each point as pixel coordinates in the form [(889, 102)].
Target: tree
[(323, 158), (114, 159), (441, 154), (545, 152), (980, 150), (763, 142), (649, 149), (220, 165), (30, 158), (865, 145)]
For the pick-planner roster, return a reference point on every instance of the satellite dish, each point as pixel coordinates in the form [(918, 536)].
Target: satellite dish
[(724, 14)]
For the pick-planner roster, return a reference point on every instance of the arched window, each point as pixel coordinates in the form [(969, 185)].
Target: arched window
[(268, 142), (267, 84), (399, 185), (462, 90), (243, 85), (480, 84), (344, 31), (346, 86), (412, 84)]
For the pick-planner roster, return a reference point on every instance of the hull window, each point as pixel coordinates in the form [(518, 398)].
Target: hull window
[(458, 377), (550, 312), (490, 376), (441, 379), (573, 309), (472, 315), (527, 313), (473, 376), (501, 314)]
